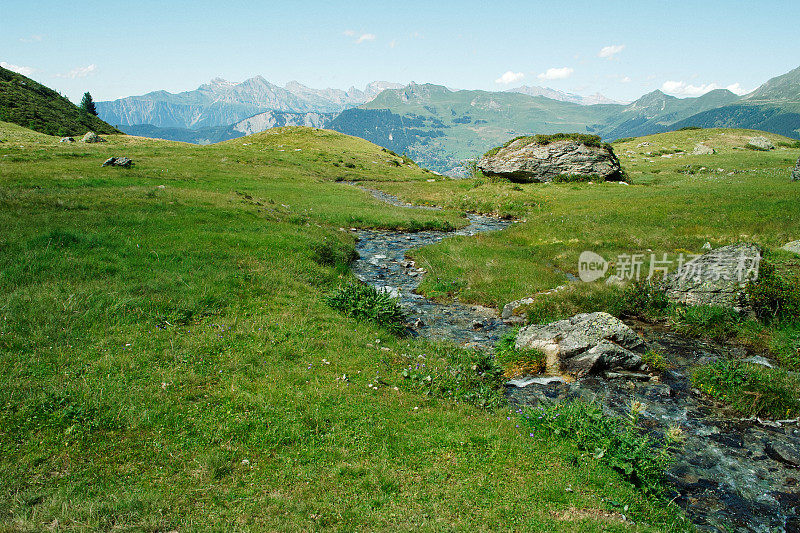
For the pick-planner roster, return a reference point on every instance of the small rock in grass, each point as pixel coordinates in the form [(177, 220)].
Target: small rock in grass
[(118, 162)]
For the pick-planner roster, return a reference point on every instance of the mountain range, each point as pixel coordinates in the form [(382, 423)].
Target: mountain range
[(441, 127), (222, 103), (555, 94)]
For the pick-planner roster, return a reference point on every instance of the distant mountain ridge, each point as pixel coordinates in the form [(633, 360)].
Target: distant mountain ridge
[(222, 103), (213, 134), (555, 94)]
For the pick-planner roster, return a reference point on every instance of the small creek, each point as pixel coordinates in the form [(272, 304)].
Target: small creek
[(729, 475)]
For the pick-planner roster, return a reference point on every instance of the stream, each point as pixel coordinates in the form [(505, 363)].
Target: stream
[(730, 474)]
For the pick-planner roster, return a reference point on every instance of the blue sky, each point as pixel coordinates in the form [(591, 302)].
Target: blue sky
[(116, 49)]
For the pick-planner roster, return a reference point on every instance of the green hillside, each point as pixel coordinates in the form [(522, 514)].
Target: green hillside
[(774, 107), (440, 128), (30, 104)]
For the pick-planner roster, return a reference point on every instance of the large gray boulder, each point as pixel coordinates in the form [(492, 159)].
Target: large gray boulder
[(527, 159), (796, 171), (588, 343), (92, 137), (702, 149), (716, 278), (760, 143)]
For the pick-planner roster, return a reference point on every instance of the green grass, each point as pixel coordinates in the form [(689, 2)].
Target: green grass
[(168, 359), (613, 440)]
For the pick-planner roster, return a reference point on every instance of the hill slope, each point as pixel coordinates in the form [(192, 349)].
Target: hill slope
[(440, 128), (773, 107), (31, 104)]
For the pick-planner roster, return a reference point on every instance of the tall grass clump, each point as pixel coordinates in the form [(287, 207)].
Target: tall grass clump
[(518, 361), (455, 373), (334, 252), (365, 302), (613, 440), (775, 295), (718, 323), (750, 389)]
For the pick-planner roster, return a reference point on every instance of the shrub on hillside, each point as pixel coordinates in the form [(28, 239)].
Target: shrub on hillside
[(333, 252), (718, 323), (643, 298)]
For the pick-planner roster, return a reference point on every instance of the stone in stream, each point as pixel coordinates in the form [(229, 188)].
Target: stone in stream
[(716, 278), (539, 159), (587, 343)]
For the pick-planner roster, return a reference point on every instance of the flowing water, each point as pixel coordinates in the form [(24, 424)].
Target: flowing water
[(729, 475)]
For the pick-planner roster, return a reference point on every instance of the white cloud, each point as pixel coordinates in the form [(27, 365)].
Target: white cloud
[(510, 77), (32, 39), (25, 71), (556, 73), (625, 79), (681, 88), (736, 88), (80, 72), (393, 43), (365, 37), (608, 52), (349, 33)]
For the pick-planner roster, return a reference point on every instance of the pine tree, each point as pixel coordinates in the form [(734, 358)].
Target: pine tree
[(87, 104)]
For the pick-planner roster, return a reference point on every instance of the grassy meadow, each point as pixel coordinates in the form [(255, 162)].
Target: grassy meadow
[(169, 363), (673, 205)]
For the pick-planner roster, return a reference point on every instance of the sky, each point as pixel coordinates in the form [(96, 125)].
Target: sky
[(117, 49)]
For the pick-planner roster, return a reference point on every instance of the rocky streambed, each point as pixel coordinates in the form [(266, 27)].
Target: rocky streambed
[(730, 474), (382, 263)]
